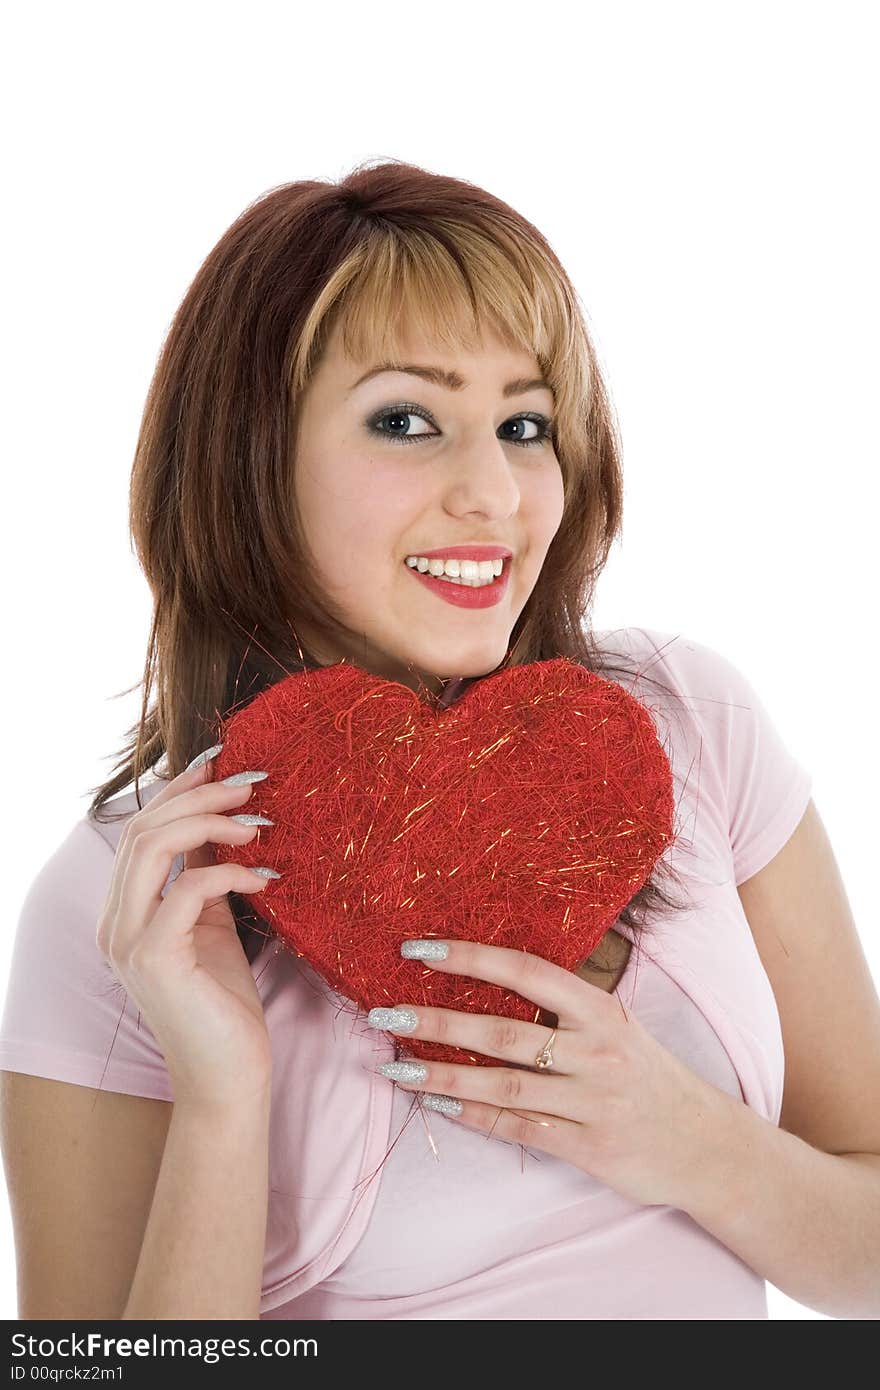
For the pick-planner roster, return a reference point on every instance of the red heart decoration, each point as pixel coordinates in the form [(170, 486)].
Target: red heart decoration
[(526, 815)]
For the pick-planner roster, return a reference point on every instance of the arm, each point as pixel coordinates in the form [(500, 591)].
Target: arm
[(128, 1207), (801, 1203), (122, 1204), (806, 1220), (81, 1167), (203, 1249)]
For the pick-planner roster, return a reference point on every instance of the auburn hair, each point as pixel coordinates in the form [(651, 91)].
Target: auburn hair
[(211, 504)]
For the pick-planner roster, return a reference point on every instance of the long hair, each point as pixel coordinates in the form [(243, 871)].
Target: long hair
[(212, 514)]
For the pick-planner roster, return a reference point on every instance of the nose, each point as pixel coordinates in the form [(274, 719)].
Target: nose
[(482, 480)]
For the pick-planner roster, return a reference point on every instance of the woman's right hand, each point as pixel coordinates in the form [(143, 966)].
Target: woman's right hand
[(180, 957)]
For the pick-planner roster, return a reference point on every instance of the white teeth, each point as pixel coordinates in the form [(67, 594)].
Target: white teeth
[(473, 572)]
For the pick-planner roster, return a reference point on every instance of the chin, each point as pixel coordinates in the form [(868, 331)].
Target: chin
[(466, 667)]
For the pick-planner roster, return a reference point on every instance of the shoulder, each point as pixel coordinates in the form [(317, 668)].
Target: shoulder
[(716, 700), (677, 660), (66, 1015), (693, 690), (720, 736), (69, 888)]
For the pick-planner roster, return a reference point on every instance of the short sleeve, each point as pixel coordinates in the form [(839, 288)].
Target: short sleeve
[(66, 1016), (766, 788)]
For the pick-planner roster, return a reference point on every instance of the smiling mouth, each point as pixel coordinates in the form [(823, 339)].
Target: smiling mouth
[(465, 593), (469, 579)]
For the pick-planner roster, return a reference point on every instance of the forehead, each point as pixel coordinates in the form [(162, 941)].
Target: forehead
[(488, 355)]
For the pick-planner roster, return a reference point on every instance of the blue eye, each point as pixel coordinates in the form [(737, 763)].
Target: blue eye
[(403, 411)]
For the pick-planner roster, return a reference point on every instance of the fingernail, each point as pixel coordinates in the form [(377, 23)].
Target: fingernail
[(424, 950), (446, 1105), (395, 1020), (266, 873), (404, 1071), (241, 779), (202, 758), (252, 820)]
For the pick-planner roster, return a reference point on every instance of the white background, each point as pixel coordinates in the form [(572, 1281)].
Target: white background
[(706, 173)]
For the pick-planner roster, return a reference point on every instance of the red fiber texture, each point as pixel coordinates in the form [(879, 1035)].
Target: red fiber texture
[(525, 815)]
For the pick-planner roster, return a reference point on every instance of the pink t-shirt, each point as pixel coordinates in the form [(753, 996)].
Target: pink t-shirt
[(366, 1220)]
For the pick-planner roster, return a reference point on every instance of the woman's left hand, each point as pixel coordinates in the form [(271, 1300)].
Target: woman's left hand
[(615, 1103)]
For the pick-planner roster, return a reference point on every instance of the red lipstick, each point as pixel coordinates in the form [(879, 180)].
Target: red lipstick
[(466, 595)]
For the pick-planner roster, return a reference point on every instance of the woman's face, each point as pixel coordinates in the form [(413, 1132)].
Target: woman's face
[(367, 501)]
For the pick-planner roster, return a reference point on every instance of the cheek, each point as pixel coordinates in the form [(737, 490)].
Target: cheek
[(557, 492), (361, 552), (385, 515), (545, 504), (349, 509)]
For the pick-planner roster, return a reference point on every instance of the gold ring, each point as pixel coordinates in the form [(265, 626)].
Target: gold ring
[(544, 1059)]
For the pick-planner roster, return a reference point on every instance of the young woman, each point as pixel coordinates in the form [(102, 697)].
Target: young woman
[(368, 383)]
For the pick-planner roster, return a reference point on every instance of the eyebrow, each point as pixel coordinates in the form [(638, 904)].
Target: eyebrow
[(451, 380)]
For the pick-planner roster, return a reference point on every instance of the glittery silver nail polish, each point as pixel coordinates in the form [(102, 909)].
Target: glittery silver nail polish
[(394, 1020), (424, 950), (241, 779), (445, 1105), (404, 1071), (252, 820), (202, 758)]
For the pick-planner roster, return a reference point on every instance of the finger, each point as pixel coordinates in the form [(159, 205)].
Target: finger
[(202, 857), (510, 1039), (551, 987), (198, 772), (187, 899), (196, 775), (489, 1086), (184, 795), (534, 1129), (149, 864)]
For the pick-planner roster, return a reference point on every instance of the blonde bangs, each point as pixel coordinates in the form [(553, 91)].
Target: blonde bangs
[(449, 285)]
